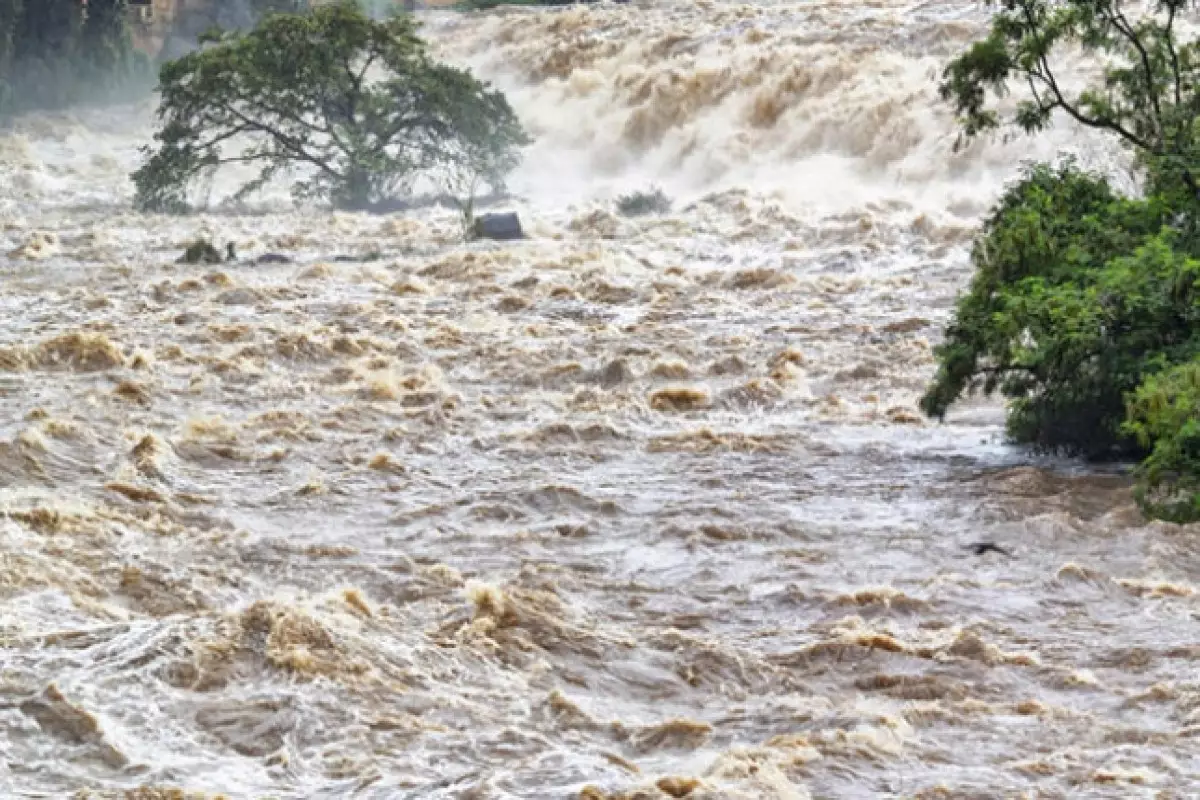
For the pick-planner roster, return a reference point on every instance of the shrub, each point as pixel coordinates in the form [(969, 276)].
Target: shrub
[(1057, 318), (636, 204), (1164, 416)]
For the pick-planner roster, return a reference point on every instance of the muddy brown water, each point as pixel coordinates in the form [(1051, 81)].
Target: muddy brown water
[(633, 508)]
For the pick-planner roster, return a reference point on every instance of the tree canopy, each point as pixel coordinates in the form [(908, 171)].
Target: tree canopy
[(355, 108), (1084, 310), (1148, 95)]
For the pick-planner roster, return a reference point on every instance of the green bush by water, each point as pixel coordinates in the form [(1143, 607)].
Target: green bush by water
[(1084, 310)]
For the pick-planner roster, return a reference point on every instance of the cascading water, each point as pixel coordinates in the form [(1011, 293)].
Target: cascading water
[(633, 505)]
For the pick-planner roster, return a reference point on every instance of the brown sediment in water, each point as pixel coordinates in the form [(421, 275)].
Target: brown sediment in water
[(641, 504), (681, 398)]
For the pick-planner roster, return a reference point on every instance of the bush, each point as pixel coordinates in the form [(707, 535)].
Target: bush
[(637, 204), (1084, 312), (1164, 416), (1062, 311)]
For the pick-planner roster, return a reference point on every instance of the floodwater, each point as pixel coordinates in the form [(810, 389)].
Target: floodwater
[(633, 508)]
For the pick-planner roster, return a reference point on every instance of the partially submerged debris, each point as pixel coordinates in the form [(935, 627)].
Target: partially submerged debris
[(505, 226), (202, 251), (638, 204)]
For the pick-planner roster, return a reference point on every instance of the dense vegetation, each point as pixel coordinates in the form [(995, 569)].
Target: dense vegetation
[(354, 107), (57, 52), (1085, 306)]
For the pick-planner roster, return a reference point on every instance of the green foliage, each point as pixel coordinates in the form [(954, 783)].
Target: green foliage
[(1148, 94), (356, 105), (55, 53), (636, 204), (1084, 310), (1022, 326), (1164, 416)]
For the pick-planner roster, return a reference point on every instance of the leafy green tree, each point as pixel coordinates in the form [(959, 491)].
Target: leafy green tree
[(357, 106), (1084, 310), (1023, 326), (1148, 95)]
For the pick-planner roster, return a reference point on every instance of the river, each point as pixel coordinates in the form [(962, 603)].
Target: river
[(633, 508)]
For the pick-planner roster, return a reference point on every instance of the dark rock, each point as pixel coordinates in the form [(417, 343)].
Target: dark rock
[(200, 252), (346, 258), (980, 548), (504, 227), (272, 258)]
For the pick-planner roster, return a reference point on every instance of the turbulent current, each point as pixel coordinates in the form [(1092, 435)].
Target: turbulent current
[(636, 507)]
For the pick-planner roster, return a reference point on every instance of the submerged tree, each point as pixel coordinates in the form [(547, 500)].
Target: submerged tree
[(1085, 306), (357, 106)]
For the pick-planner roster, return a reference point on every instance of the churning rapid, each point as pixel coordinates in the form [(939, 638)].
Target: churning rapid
[(637, 507)]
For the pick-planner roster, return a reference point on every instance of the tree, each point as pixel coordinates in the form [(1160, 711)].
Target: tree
[(1035, 323), (1148, 95), (357, 107), (1084, 310)]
